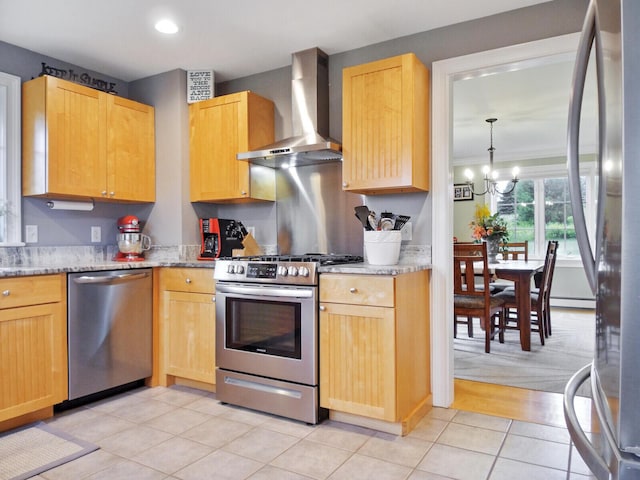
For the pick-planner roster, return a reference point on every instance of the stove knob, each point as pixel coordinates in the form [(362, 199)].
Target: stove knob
[(303, 271), (240, 269), (231, 269), (282, 271), (293, 271)]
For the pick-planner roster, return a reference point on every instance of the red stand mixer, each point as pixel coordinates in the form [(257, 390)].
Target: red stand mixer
[(131, 243)]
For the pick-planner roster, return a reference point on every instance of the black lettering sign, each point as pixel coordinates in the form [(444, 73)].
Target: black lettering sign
[(80, 78)]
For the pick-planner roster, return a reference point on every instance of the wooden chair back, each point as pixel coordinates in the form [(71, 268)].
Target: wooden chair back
[(470, 264), (516, 250), (545, 284)]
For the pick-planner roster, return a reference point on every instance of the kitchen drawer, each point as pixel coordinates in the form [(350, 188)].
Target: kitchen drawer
[(33, 290), (197, 280), (374, 290)]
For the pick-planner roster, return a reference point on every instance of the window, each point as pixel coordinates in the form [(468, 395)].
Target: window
[(539, 208), (10, 199)]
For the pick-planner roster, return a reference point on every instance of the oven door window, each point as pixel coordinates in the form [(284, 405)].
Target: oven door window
[(261, 326)]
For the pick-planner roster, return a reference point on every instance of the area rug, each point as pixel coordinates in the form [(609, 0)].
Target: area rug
[(36, 448), (546, 368)]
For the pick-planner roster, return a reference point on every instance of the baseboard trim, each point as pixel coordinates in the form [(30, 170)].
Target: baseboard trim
[(573, 303)]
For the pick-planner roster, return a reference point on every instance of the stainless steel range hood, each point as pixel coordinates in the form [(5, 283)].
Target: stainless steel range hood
[(310, 143)]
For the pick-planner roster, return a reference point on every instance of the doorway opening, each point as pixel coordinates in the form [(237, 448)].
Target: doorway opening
[(444, 74)]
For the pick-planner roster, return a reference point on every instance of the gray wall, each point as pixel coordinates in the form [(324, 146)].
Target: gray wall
[(520, 26), (170, 223)]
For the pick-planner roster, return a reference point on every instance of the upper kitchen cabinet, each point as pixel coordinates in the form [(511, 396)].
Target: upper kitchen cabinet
[(79, 142), (385, 144), (130, 150), (219, 129)]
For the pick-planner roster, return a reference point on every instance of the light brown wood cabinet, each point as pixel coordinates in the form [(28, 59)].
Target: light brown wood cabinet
[(374, 346), (220, 128), (78, 142), (33, 344), (187, 325), (385, 122)]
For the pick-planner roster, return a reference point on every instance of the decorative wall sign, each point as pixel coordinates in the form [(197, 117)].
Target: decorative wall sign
[(80, 78), (461, 192), (199, 85)]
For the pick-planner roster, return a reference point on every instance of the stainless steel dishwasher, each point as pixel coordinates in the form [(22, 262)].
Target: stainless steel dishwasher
[(109, 329)]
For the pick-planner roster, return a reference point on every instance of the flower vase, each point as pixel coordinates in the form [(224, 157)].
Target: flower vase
[(493, 247)]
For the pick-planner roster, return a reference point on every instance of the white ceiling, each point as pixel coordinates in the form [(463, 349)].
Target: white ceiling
[(244, 37), (234, 38)]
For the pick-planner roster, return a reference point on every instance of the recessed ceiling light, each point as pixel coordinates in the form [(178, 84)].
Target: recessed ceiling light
[(167, 26)]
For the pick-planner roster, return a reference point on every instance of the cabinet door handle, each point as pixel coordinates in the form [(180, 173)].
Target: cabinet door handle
[(213, 299), (6, 293), (345, 184), (188, 281), (103, 193), (322, 308), (112, 194), (242, 192), (353, 290)]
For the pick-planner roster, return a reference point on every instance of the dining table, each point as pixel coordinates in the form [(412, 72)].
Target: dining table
[(520, 273)]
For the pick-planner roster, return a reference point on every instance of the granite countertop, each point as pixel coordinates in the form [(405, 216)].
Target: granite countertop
[(25, 270), (52, 260), (354, 268), (368, 269)]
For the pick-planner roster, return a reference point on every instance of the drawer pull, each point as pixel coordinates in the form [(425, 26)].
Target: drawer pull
[(353, 290), (188, 280), (6, 293)]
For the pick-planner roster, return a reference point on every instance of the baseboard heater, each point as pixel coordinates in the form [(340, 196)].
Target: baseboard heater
[(567, 302)]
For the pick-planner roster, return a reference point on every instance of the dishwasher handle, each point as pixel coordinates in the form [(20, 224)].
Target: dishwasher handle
[(110, 279)]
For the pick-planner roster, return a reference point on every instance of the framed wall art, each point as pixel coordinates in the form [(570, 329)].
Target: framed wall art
[(462, 192)]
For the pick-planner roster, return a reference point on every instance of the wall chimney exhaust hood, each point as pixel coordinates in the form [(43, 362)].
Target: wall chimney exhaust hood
[(310, 144)]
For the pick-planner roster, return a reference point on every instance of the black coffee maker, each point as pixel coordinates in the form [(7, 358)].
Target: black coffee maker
[(219, 237)]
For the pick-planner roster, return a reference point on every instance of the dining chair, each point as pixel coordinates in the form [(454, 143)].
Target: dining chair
[(473, 299), (515, 250), (545, 286), (540, 299), (510, 251)]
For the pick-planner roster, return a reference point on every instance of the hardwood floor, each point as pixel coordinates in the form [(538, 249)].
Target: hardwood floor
[(517, 403)]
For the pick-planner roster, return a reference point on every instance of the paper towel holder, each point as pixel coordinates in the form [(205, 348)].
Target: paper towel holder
[(69, 205)]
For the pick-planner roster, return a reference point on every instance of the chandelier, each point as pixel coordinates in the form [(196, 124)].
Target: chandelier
[(490, 175)]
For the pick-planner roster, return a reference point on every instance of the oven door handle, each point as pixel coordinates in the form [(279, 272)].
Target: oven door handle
[(265, 291)]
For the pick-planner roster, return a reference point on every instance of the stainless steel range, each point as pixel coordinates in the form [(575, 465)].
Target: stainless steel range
[(267, 333)]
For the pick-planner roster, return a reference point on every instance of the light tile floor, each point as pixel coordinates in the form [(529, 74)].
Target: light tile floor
[(186, 434)]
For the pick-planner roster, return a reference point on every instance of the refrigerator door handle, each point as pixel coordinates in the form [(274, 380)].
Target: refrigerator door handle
[(587, 451), (590, 36)]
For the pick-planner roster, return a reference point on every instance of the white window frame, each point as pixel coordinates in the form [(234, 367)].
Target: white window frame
[(588, 169), (12, 164)]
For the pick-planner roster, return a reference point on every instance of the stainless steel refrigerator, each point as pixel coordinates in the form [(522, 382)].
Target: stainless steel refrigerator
[(611, 39)]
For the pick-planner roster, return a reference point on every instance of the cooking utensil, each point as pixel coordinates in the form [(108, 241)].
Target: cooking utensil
[(400, 221), (386, 223), (362, 213), (373, 223)]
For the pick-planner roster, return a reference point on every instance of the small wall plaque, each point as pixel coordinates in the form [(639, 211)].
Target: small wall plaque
[(199, 85)]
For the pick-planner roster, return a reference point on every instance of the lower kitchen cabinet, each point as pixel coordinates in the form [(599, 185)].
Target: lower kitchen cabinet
[(374, 347), (33, 345), (187, 326)]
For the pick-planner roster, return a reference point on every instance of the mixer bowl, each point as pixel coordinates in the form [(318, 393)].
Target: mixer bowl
[(133, 242)]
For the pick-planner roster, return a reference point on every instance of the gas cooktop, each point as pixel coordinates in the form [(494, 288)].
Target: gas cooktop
[(321, 258), (280, 269)]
